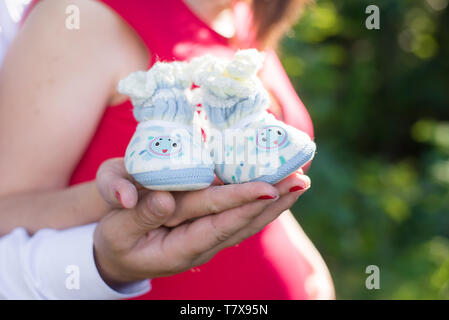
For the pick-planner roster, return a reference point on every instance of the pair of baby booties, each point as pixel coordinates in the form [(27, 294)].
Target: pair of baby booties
[(244, 142)]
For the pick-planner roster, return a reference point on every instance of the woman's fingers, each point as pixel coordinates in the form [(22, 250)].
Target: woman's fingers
[(271, 212), (125, 193), (115, 186), (220, 198), (216, 199), (275, 209), (294, 183), (288, 188)]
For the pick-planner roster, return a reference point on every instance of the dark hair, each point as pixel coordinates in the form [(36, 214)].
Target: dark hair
[(273, 18)]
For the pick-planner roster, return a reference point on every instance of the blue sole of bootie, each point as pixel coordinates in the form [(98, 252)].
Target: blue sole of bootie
[(176, 180), (296, 162)]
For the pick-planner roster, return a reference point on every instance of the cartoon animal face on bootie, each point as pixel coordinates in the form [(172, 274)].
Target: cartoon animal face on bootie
[(165, 147), (271, 138)]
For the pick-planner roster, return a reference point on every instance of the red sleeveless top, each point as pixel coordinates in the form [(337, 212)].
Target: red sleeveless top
[(266, 266)]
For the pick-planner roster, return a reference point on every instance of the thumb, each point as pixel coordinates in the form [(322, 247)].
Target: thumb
[(152, 211)]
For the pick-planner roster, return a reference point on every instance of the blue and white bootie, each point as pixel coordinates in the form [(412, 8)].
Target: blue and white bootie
[(246, 142), (166, 152)]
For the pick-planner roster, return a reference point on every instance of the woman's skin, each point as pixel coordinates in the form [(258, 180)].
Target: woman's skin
[(52, 96)]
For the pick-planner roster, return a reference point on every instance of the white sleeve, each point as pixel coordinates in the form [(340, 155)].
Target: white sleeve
[(56, 264)]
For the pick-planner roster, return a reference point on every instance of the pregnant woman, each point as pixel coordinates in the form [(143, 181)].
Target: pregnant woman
[(61, 117)]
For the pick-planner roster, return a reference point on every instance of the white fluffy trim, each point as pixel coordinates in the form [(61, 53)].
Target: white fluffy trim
[(141, 85), (236, 78)]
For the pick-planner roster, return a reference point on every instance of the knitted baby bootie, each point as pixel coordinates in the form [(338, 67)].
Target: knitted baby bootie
[(166, 151), (247, 143)]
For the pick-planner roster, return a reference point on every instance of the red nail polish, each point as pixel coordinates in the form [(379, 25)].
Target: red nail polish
[(117, 195), (265, 197), (296, 188)]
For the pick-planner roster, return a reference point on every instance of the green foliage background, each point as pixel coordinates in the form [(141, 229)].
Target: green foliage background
[(379, 100)]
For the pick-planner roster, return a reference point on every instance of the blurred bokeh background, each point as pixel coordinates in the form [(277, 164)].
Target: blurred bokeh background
[(379, 100)]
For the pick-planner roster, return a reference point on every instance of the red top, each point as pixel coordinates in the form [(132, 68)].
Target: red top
[(266, 266)]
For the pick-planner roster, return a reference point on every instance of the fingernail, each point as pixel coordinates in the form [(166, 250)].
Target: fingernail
[(296, 188), (117, 195), (266, 197), (157, 207)]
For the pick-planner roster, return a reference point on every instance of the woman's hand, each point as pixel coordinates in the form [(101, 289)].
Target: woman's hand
[(166, 233)]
